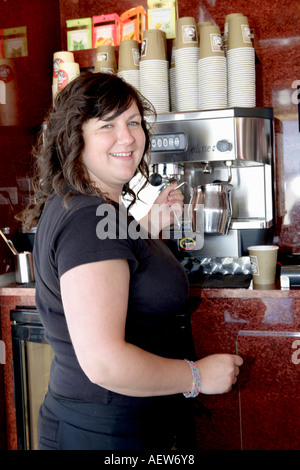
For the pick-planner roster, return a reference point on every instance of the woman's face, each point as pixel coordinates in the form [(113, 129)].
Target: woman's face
[(113, 150)]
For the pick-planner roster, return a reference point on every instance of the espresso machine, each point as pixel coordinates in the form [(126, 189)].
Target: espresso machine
[(226, 157)]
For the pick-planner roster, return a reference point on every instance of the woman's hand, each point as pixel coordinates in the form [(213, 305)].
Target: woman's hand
[(218, 372), (161, 215)]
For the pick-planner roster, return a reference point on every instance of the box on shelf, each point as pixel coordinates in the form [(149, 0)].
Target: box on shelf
[(106, 30), (79, 34), (15, 42), (133, 23), (1, 44), (162, 14)]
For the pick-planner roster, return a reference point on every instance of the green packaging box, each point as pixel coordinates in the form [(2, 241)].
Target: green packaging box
[(79, 34)]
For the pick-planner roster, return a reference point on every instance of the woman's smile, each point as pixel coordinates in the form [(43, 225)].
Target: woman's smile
[(113, 149), (122, 155)]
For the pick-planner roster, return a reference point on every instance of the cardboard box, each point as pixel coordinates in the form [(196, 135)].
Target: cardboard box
[(133, 23), (15, 42), (162, 14), (106, 30), (79, 34), (1, 44)]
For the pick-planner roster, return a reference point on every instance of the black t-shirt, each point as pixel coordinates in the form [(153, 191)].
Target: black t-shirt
[(88, 231)]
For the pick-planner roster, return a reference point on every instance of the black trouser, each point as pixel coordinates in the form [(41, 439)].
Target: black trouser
[(154, 423)]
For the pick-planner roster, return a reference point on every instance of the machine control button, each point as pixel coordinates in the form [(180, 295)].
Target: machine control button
[(224, 146), (168, 142), (176, 142)]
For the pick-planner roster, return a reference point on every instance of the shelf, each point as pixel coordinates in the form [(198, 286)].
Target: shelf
[(85, 58)]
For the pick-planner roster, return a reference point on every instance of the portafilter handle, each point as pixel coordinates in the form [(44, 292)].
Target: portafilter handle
[(155, 179)]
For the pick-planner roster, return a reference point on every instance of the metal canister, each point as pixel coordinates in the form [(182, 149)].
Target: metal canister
[(216, 199)]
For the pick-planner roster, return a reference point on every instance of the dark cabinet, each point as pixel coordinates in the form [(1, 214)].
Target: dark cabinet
[(262, 410)]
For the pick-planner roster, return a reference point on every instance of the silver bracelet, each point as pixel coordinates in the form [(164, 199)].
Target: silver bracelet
[(196, 380)]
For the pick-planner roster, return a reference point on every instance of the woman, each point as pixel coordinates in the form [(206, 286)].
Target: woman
[(113, 305)]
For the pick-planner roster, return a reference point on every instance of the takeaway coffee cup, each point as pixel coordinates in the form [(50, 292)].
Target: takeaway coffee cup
[(24, 267), (129, 55), (263, 263), (202, 24), (211, 44), (106, 59), (186, 33), (67, 71), (239, 34), (227, 19), (60, 57), (154, 45)]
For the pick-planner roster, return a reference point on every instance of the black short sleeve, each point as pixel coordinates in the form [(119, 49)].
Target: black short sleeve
[(89, 235)]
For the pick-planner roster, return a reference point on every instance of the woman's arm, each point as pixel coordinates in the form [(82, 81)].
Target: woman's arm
[(95, 298)]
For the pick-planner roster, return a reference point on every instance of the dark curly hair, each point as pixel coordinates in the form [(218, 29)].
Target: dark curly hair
[(58, 163)]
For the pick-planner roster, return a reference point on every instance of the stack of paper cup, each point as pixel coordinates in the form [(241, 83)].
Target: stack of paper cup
[(240, 64), (154, 70), (201, 25), (59, 57), (67, 71), (186, 64), (129, 62), (172, 80), (106, 59), (212, 72)]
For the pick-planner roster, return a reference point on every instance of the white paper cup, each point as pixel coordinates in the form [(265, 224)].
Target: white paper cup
[(59, 57), (67, 71)]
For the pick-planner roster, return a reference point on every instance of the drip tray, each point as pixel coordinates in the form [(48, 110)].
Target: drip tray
[(228, 272), (222, 281)]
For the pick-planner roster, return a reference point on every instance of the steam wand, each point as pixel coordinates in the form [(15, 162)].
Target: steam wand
[(9, 243)]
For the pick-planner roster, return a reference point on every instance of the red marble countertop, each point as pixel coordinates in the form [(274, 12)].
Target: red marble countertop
[(245, 293), (16, 290)]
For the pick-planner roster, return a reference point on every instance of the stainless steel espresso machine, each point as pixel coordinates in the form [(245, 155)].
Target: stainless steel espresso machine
[(226, 156)]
